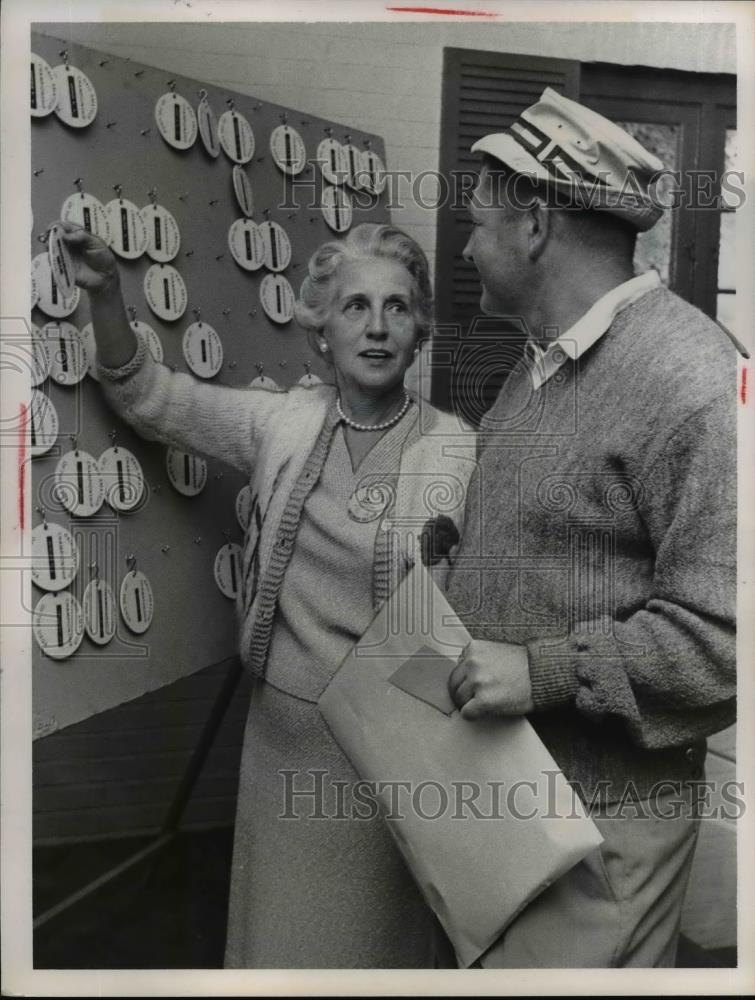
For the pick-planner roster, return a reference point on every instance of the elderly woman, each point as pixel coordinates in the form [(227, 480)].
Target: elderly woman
[(342, 478)]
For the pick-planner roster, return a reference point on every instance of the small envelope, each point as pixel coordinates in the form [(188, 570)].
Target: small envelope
[(425, 675)]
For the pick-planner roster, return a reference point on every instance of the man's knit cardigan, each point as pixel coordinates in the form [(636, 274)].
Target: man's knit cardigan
[(280, 440), (605, 541)]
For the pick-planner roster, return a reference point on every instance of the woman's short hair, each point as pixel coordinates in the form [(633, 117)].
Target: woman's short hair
[(365, 241)]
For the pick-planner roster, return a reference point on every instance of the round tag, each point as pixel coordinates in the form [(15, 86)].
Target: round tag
[(51, 299), (88, 212), (128, 234), (277, 246), (99, 611), (244, 506), (246, 244), (176, 120), (165, 292), (145, 332), (122, 477), (264, 382), (90, 348), (236, 136), (372, 174), (44, 94), (277, 298), (336, 208), (54, 557), (187, 473), (228, 569), (163, 237), (68, 357), (78, 483), (58, 625), (333, 162), (40, 357), (208, 128), (61, 263), (367, 503), (310, 380), (77, 98), (203, 350), (288, 151), (243, 190), (137, 601), (43, 423), (353, 160)]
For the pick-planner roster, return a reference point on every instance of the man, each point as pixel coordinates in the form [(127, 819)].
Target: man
[(596, 573)]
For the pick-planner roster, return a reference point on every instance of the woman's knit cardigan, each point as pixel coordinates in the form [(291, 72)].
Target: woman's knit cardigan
[(280, 440)]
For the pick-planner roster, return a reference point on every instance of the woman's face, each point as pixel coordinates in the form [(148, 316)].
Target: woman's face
[(371, 330)]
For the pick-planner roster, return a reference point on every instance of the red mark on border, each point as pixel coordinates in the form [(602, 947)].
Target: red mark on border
[(23, 418), (743, 387), (442, 10)]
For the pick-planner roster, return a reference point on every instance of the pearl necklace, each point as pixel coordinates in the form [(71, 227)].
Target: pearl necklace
[(374, 427)]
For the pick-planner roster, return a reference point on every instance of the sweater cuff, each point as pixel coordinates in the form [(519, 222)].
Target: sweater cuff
[(129, 368), (553, 677)]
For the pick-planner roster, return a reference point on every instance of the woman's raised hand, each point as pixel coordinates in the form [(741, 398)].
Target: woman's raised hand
[(95, 263)]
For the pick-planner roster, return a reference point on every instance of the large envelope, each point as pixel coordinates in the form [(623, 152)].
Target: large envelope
[(487, 820)]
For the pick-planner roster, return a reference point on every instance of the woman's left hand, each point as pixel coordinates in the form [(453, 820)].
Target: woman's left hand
[(491, 678)]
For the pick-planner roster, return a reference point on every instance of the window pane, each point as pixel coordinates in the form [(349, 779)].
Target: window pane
[(727, 278), (654, 247), (731, 162), (725, 311)]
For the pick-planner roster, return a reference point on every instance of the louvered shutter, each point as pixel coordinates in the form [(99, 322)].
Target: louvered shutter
[(483, 92)]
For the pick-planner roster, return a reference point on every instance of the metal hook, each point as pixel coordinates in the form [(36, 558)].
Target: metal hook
[(38, 171), (165, 549), (152, 195), (283, 364), (94, 570), (139, 72), (172, 86), (110, 124), (307, 366), (112, 435), (232, 364), (131, 562), (218, 475), (230, 102), (80, 185), (118, 188), (43, 512), (284, 118), (257, 106), (64, 56), (131, 310), (45, 236), (260, 368), (347, 138), (202, 94), (74, 442), (328, 130), (103, 62), (226, 311), (227, 536), (198, 313), (368, 143), (145, 131)]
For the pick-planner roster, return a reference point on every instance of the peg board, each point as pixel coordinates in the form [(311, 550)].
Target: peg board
[(174, 538)]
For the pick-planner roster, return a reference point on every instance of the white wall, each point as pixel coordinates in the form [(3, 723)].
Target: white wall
[(386, 78)]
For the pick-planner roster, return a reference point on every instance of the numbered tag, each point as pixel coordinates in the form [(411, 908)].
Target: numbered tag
[(277, 246), (90, 348), (40, 357), (333, 162), (246, 244), (243, 190), (34, 289), (61, 263), (43, 423), (187, 473), (44, 93), (54, 557), (145, 332), (122, 477), (77, 98), (208, 128), (99, 611), (78, 483), (244, 506), (336, 208), (372, 174), (165, 292), (88, 212), (277, 298), (68, 357), (236, 136), (58, 625), (203, 350), (264, 382), (353, 162), (176, 120), (137, 601), (128, 234), (288, 150), (228, 569), (309, 380), (51, 299), (163, 236)]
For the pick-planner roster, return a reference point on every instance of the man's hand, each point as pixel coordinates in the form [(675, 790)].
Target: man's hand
[(96, 265), (491, 678)]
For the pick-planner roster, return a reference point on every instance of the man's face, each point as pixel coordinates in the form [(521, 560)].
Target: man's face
[(497, 247)]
